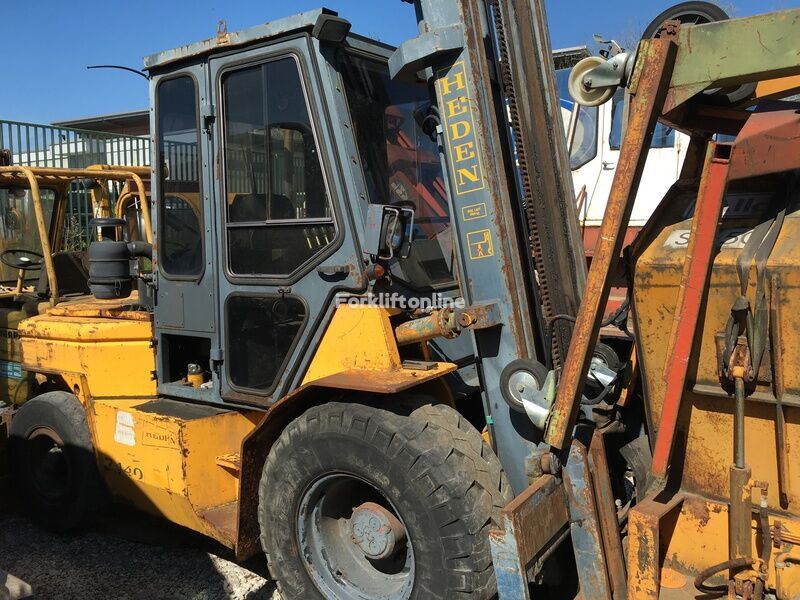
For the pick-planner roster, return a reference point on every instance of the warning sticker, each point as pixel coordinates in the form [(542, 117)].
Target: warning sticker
[(480, 244), (473, 211), (10, 370), (124, 432)]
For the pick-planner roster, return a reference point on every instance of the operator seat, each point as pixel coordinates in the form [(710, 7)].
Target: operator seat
[(72, 273), (260, 243)]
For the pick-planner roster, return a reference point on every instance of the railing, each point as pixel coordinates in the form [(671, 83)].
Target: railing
[(61, 147)]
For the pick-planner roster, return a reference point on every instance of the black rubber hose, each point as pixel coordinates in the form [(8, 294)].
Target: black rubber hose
[(139, 248), (718, 590)]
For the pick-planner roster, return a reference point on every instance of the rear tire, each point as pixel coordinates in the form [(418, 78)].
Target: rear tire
[(688, 13), (430, 470), (698, 13), (54, 461)]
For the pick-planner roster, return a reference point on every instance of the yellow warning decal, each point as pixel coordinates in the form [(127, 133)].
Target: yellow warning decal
[(480, 244)]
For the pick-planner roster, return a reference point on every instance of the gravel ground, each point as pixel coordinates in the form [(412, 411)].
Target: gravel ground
[(128, 556)]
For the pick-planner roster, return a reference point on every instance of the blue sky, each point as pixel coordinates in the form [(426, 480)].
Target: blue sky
[(47, 44)]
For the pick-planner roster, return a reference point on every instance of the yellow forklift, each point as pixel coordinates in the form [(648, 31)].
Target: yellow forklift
[(363, 340)]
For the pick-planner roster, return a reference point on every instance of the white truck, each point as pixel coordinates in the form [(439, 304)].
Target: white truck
[(594, 152)]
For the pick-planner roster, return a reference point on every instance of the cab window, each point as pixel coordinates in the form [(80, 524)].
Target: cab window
[(180, 243), (277, 211), (401, 165), (584, 142)]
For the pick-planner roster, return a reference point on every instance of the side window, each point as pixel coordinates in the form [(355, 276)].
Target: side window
[(180, 202), (264, 330), (584, 141), (583, 147), (278, 214), (663, 136)]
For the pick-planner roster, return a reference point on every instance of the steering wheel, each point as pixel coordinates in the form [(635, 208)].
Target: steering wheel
[(24, 260)]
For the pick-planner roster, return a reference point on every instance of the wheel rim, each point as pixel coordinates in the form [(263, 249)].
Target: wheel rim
[(353, 541), (579, 92), (48, 465)]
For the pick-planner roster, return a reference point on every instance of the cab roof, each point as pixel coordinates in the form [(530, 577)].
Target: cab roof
[(223, 40)]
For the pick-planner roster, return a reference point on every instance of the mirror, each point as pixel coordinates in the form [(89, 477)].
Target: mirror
[(389, 231)]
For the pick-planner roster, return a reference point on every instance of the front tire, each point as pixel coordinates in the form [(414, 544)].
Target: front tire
[(358, 503)]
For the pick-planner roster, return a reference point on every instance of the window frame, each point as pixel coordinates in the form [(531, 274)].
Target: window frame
[(245, 392), (158, 167), (301, 269), (620, 101)]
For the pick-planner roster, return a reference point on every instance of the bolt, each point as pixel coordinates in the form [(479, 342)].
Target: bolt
[(465, 319)]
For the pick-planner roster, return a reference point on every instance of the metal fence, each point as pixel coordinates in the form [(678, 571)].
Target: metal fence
[(47, 146)]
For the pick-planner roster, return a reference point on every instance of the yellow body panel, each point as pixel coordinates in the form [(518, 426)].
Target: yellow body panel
[(115, 355), (359, 352), (16, 383), (704, 449), (709, 445), (359, 338), (173, 459), (695, 536)]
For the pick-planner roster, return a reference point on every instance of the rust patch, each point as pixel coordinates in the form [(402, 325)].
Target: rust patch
[(698, 509)]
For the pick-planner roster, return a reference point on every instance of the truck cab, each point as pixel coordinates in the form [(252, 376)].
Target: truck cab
[(303, 138)]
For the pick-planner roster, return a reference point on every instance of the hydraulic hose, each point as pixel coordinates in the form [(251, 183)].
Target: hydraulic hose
[(718, 590)]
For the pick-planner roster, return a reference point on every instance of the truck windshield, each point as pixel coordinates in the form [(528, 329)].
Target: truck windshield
[(401, 165), (18, 230)]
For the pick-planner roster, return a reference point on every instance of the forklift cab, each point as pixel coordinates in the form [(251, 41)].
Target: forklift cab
[(39, 245), (247, 279)]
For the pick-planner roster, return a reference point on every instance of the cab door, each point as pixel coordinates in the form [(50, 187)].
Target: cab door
[(186, 332), (285, 247)]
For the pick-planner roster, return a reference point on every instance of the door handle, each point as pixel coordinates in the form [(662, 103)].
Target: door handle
[(608, 166), (334, 270)]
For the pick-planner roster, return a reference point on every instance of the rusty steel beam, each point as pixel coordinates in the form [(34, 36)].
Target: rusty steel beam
[(644, 546), (587, 537), (530, 524), (651, 81), (766, 144), (696, 271), (607, 515)]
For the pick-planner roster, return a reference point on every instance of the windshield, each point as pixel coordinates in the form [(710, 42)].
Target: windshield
[(401, 165), (18, 230)]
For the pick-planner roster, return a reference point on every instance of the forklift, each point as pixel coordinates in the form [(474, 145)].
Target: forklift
[(40, 268), (366, 344)]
